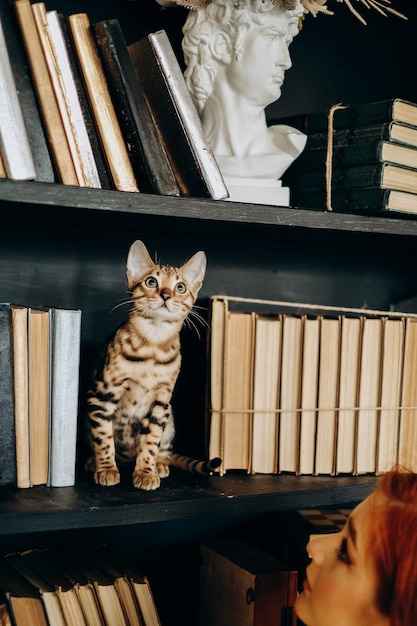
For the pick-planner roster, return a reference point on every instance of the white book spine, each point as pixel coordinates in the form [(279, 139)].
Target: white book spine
[(14, 143)]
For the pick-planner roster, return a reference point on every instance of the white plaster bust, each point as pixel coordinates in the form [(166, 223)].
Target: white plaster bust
[(236, 52)]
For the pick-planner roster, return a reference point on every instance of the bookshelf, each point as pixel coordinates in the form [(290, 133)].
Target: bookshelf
[(66, 246)]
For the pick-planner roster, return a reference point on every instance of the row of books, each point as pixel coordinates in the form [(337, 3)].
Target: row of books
[(311, 391), (80, 106), (358, 157), (39, 382), (74, 587)]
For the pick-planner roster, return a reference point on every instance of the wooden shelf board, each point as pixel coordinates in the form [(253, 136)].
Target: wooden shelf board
[(42, 509), (81, 206)]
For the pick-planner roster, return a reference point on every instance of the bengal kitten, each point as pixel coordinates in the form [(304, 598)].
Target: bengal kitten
[(129, 403)]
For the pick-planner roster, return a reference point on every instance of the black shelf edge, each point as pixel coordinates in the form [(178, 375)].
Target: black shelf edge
[(41, 509), (40, 202)]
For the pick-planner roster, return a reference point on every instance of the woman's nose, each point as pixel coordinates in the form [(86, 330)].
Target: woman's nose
[(319, 547)]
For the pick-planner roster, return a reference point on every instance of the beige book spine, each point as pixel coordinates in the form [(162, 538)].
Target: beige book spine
[(21, 392), (50, 112), (103, 110)]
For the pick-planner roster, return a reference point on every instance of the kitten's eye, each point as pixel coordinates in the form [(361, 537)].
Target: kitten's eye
[(180, 288), (151, 282)]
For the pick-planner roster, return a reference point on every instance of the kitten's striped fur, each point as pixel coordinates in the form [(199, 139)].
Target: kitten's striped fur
[(129, 403)]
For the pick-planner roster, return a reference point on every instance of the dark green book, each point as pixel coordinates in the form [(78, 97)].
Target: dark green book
[(7, 424), (358, 200), (388, 131), (361, 154), (354, 115), (149, 160), (381, 175)]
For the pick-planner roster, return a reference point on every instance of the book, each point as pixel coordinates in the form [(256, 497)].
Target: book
[(361, 154), (23, 564), (241, 584), (23, 600), (328, 396), (66, 569), (7, 428), (308, 402), (147, 154), (176, 117), (395, 132), (76, 128), (66, 341), (51, 117), (391, 380), (354, 200), (15, 148), (266, 366), (21, 393), (407, 444), (218, 311), (237, 391), (92, 131), (348, 393), (381, 175), (104, 113), (354, 115), (132, 586), (290, 389), (368, 396), (39, 350), (27, 97)]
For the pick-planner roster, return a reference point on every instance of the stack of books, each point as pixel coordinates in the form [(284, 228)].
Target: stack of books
[(358, 157), (80, 107), (39, 382), (74, 587), (311, 390)]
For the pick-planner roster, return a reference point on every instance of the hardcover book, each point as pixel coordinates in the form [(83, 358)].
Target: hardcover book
[(7, 428), (147, 154), (176, 117)]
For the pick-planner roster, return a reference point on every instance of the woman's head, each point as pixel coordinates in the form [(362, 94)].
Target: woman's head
[(366, 574)]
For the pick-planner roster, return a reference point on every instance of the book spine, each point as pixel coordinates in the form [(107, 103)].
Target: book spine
[(14, 142), (88, 173), (101, 104), (85, 107), (7, 424), (353, 199), (27, 97), (147, 155)]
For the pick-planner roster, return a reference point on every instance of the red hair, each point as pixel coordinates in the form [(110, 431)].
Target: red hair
[(393, 542)]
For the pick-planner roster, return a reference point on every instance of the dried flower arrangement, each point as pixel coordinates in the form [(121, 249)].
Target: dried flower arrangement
[(311, 6)]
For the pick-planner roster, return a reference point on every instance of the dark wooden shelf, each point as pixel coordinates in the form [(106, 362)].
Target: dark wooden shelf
[(52, 203), (86, 506)]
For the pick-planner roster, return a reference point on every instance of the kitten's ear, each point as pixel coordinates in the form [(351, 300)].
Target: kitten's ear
[(139, 262), (194, 271)]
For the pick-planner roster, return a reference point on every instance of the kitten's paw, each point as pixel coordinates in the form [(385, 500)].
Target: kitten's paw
[(162, 468), (107, 477), (146, 480)]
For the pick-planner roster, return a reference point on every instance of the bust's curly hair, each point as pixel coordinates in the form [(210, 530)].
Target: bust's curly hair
[(310, 6)]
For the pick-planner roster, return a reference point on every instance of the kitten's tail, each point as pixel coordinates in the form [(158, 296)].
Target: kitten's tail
[(194, 466)]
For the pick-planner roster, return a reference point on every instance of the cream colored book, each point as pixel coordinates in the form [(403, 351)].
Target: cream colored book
[(39, 394), (266, 371), (328, 388), (348, 394), (104, 114), (309, 382), (389, 417), (237, 391), (407, 450), (51, 115), (217, 331), (290, 389), (369, 396), (21, 393)]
